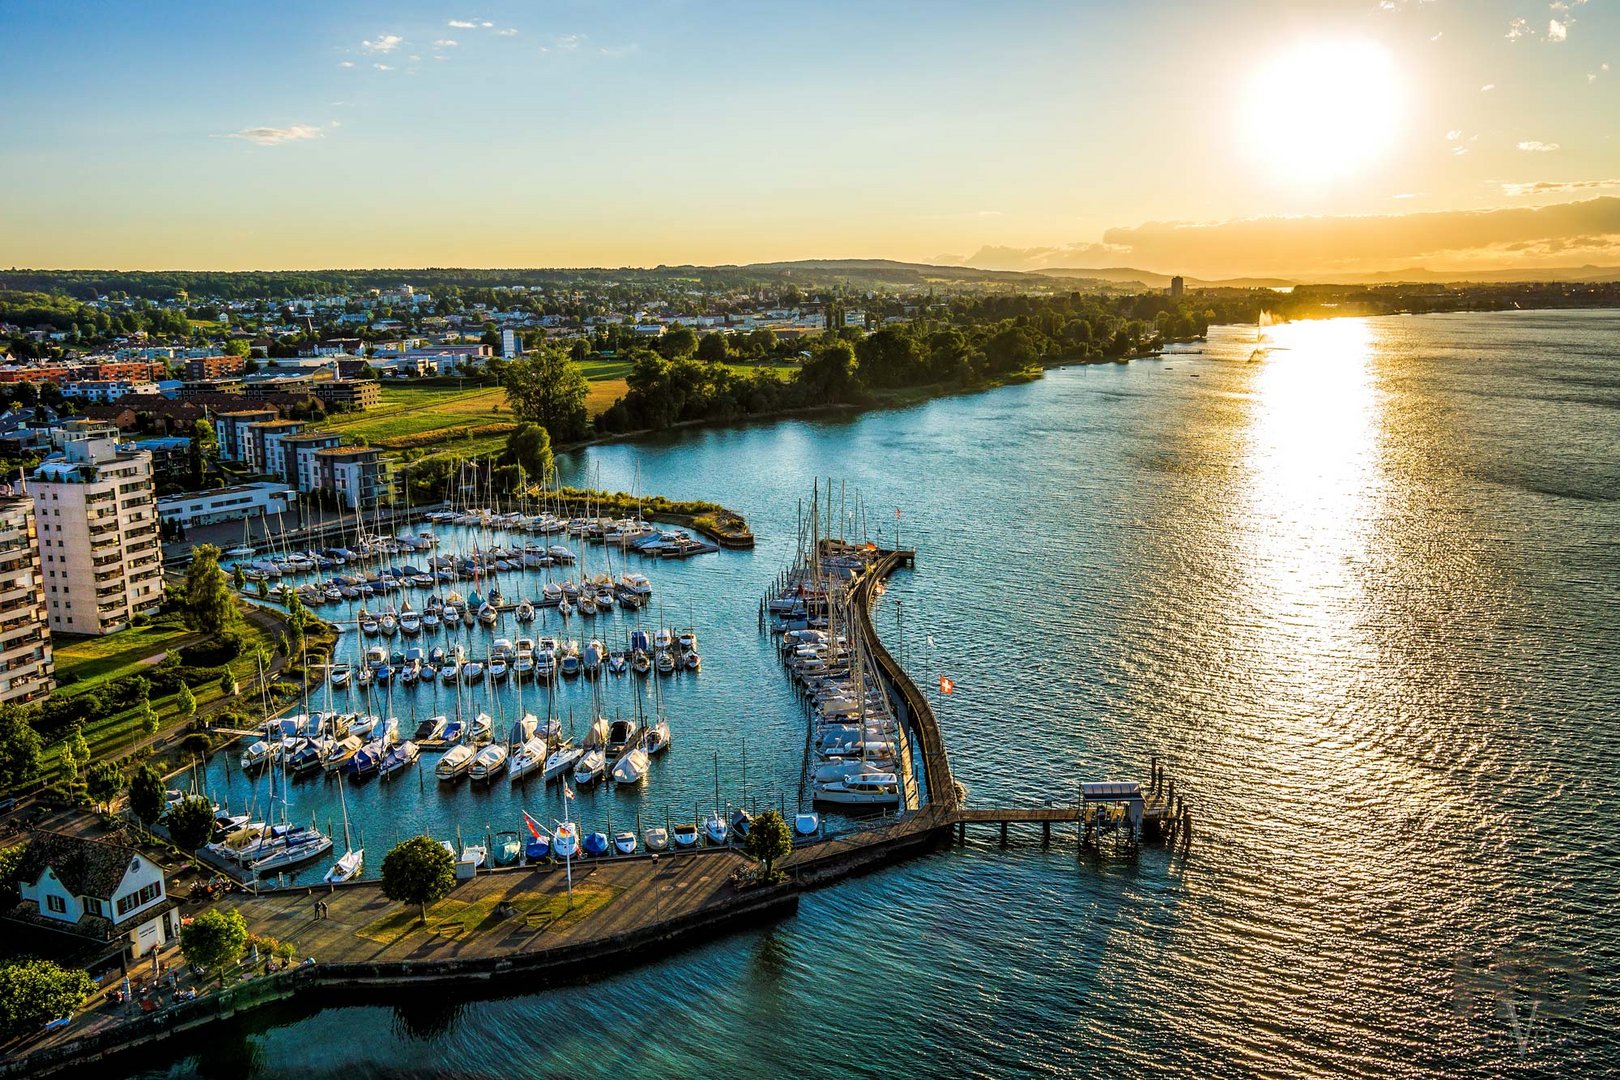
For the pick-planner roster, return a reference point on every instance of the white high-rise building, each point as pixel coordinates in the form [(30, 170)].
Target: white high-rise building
[(98, 537), (26, 669)]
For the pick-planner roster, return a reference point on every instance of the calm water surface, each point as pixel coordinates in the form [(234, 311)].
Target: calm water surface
[(1356, 581)]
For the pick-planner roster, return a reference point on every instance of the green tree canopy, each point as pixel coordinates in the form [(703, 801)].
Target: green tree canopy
[(529, 448), (712, 349), (209, 606), (146, 793), (214, 940), (187, 702), (769, 840), (191, 823), (418, 871), (103, 781), (35, 992), (10, 859), (19, 748), (548, 389)]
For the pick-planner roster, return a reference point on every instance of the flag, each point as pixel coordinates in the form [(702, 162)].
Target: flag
[(946, 686), (930, 641), (568, 792), (534, 826), (897, 513)]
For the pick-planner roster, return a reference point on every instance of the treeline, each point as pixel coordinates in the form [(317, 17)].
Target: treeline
[(973, 341)]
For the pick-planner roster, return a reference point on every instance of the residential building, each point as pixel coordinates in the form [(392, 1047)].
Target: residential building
[(171, 458), (356, 473), (298, 456), (103, 391), (261, 443), (98, 536), (99, 889), (214, 367), (229, 426), (357, 394), (80, 430), (26, 668), (225, 504)]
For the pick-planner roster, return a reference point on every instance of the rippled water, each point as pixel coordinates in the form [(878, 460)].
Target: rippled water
[(1356, 582)]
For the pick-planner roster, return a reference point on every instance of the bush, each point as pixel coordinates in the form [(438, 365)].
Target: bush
[(208, 653)]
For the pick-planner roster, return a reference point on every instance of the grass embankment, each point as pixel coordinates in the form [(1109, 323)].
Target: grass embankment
[(453, 918), (86, 665)]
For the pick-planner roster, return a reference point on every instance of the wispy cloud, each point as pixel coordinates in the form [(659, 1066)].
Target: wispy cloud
[(508, 32), (564, 43), (382, 43), (383, 67), (1536, 146), (461, 24), (1487, 88), (1556, 31), (345, 63), (270, 136), (1519, 28), (618, 50), (1556, 187), (446, 43)]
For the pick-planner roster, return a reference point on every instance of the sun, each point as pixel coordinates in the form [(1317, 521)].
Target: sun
[(1322, 112)]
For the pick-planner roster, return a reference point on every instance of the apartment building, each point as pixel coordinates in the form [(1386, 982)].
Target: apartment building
[(27, 672), (356, 473), (98, 537), (229, 428)]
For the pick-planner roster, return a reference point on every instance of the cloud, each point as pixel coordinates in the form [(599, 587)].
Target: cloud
[(461, 24), (446, 43), (383, 67), (1536, 146), (618, 50), (1557, 31), (508, 32), (1519, 28), (1318, 245), (564, 43), (1454, 134), (382, 43), (1554, 187), (346, 63), (270, 136)]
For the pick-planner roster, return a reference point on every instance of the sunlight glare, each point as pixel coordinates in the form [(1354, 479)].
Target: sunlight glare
[(1322, 112)]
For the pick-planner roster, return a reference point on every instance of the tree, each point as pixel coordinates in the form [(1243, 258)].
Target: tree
[(228, 686), (10, 860), (418, 871), (149, 719), (102, 782), (678, 341), (769, 840), (529, 448), (238, 347), (548, 389), (297, 618), (35, 992), (214, 940), (238, 577), (75, 755), (191, 823), (209, 606), (712, 349), (146, 793), (187, 702), (19, 748)]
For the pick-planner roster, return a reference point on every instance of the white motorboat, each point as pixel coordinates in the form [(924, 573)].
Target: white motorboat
[(632, 767), (685, 837), (625, 842), (489, 762), (861, 789), (340, 676), (590, 766), (657, 839), (454, 764), (716, 829)]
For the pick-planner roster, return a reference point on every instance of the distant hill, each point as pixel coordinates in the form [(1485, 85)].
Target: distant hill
[(1125, 275)]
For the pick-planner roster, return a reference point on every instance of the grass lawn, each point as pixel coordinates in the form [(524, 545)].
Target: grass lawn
[(452, 917), (94, 661)]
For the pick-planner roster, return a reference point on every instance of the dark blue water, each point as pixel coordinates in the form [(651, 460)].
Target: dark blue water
[(1355, 581)]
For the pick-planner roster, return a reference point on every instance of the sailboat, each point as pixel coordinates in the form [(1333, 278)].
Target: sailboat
[(349, 863)]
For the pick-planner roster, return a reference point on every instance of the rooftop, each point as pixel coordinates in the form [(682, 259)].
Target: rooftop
[(86, 867)]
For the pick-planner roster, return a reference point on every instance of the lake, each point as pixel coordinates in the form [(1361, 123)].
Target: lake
[(1354, 581)]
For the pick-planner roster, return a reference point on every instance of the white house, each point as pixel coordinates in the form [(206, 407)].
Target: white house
[(97, 889)]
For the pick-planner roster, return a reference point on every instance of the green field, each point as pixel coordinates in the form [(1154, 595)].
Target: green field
[(88, 662)]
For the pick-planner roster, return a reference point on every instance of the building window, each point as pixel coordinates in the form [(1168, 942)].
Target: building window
[(55, 903), (127, 904)]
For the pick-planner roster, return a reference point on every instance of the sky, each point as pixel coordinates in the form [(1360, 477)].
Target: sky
[(1218, 138)]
